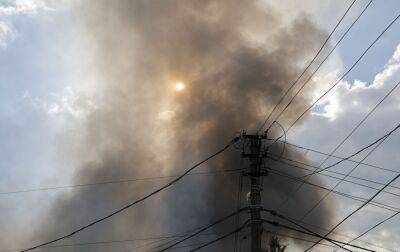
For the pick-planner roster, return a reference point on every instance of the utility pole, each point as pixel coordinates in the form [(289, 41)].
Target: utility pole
[(255, 155)]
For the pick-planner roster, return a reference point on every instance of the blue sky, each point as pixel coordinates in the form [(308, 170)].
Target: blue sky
[(42, 99)]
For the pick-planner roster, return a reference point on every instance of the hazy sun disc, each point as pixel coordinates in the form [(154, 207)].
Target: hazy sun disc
[(179, 86)]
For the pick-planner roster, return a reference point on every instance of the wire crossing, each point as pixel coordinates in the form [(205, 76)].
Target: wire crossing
[(206, 227), (341, 158), (346, 73), (371, 228), (307, 176), (222, 237), (277, 224), (137, 201), (345, 139), (322, 62), (358, 209), (308, 66), (341, 178), (355, 198), (357, 152)]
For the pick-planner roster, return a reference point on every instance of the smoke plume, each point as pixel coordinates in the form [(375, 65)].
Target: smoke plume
[(236, 59)]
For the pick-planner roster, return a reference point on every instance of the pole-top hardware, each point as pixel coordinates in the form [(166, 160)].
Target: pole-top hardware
[(254, 136)]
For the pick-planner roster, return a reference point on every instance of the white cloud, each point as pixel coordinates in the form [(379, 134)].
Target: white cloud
[(337, 115), (358, 93), (396, 55), (24, 7), (7, 34), (68, 103), (16, 7)]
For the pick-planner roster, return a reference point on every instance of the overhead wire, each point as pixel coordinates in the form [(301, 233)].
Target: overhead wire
[(298, 238), (307, 176), (277, 224), (109, 242), (275, 213), (307, 67), (137, 201), (281, 160), (342, 179), (191, 245), (221, 237), (346, 236), (157, 238), (331, 88), (346, 73), (220, 220), (339, 178), (118, 181), (339, 157), (356, 210), (371, 228), (320, 64), (278, 138), (140, 200), (345, 139), (357, 152), (356, 198)]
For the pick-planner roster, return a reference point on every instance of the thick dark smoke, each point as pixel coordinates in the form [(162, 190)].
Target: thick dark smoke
[(236, 58)]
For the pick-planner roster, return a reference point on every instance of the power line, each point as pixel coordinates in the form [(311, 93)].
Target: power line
[(164, 237), (357, 152), (277, 224), (180, 235), (137, 201), (169, 242), (340, 144), (113, 182), (359, 208), (205, 228), (347, 236), (278, 139), (322, 62), (274, 213), (307, 176), (187, 246), (346, 73), (102, 242), (338, 178), (345, 139), (339, 157), (356, 198), (298, 238), (191, 245), (107, 242), (341, 180), (373, 227), (222, 237), (332, 172), (145, 245), (308, 66)]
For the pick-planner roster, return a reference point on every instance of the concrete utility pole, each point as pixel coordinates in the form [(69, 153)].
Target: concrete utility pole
[(256, 156)]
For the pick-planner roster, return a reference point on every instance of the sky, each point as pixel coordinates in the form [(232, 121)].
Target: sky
[(45, 95)]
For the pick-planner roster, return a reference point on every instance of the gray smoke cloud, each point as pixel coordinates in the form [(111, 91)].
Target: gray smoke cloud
[(236, 59)]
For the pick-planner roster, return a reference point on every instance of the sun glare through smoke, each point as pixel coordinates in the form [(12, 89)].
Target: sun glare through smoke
[(179, 86)]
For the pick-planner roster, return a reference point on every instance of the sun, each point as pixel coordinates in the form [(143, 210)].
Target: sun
[(179, 86)]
